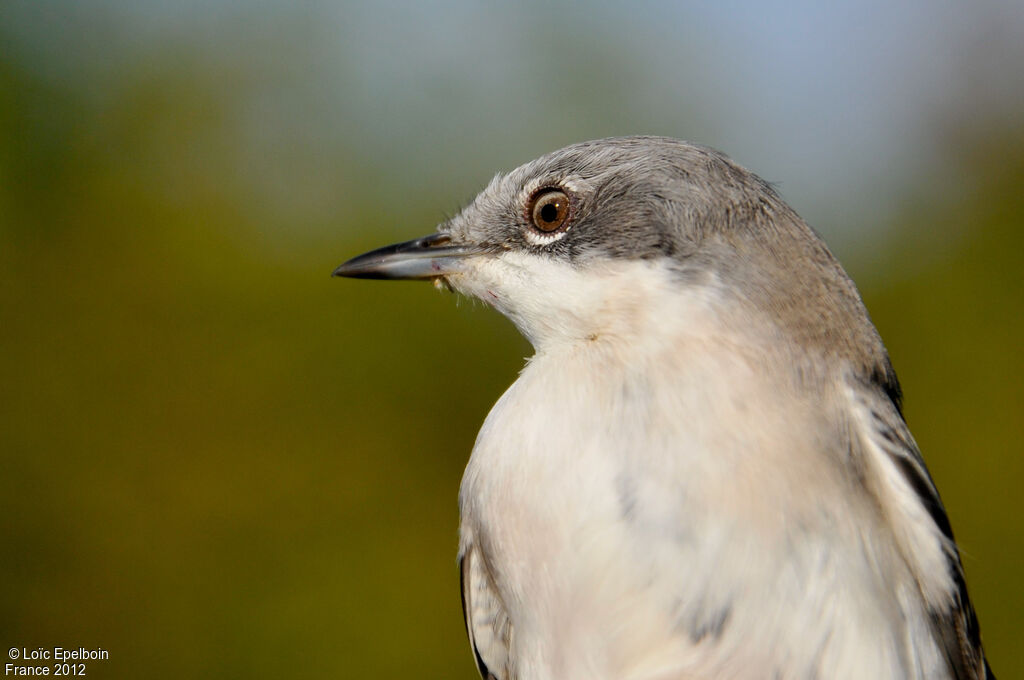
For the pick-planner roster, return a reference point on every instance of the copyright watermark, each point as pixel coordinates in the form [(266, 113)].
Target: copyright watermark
[(56, 661)]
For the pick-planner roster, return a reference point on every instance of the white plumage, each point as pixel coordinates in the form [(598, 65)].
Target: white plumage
[(703, 471), (647, 494)]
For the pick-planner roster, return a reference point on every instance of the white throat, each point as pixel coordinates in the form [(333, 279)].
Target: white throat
[(554, 303)]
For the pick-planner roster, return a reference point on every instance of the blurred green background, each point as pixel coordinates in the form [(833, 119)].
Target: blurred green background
[(215, 461)]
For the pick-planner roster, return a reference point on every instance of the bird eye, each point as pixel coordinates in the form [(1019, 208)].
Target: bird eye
[(549, 210)]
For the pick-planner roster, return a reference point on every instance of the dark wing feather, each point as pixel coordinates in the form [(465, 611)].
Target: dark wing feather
[(487, 623), (954, 623)]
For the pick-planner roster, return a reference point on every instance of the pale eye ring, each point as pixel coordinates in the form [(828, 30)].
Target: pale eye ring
[(548, 210)]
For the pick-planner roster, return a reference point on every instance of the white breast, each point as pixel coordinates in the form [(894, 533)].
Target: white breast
[(645, 500)]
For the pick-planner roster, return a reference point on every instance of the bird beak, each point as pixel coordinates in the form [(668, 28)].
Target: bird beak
[(423, 258)]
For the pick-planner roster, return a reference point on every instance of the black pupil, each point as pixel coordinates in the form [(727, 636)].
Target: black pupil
[(549, 213)]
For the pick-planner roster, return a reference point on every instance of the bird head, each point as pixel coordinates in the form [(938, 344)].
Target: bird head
[(617, 236)]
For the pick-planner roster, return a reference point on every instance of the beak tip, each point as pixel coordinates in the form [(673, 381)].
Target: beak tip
[(350, 270)]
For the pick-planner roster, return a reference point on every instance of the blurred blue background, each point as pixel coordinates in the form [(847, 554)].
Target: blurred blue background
[(215, 461)]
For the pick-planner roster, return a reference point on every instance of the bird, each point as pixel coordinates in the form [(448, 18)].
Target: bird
[(703, 470)]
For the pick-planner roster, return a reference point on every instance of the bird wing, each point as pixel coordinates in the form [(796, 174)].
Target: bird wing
[(907, 494), (487, 622)]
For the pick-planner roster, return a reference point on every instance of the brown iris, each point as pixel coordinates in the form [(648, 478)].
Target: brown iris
[(549, 209)]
